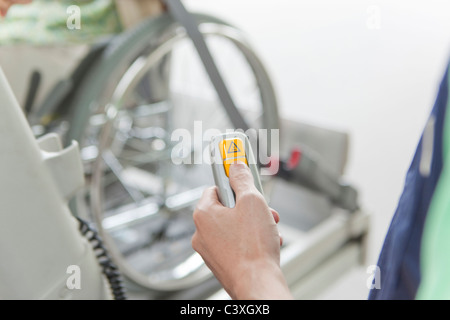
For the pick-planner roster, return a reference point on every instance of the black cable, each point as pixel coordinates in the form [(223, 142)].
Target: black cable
[(109, 269)]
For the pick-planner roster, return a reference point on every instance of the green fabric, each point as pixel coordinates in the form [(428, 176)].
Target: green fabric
[(44, 22), (435, 250)]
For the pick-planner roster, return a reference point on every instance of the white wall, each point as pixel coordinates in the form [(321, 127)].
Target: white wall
[(371, 68)]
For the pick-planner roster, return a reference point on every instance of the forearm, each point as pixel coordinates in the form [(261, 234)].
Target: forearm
[(261, 282)]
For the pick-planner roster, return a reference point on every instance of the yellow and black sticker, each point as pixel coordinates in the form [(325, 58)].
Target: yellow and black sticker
[(232, 150)]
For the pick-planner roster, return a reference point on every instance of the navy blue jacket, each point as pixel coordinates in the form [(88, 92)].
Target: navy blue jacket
[(399, 260)]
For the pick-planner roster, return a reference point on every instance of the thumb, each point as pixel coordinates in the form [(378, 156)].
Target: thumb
[(241, 178)]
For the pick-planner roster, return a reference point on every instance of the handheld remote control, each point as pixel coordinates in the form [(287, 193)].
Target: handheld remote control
[(226, 149)]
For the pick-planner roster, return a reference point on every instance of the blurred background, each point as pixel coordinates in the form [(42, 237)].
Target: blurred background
[(370, 68), (367, 68)]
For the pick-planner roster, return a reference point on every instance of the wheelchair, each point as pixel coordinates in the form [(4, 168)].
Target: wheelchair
[(123, 103)]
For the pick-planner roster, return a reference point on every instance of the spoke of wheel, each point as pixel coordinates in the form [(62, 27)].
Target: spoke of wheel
[(130, 214), (115, 166)]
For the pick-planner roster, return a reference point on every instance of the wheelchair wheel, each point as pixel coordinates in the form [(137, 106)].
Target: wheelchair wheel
[(142, 117)]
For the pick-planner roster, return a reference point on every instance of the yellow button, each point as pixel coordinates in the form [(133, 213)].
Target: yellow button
[(232, 150)]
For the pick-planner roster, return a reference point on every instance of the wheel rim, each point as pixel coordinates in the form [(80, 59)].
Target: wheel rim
[(160, 208)]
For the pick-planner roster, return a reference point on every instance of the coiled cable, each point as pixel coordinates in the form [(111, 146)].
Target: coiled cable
[(109, 269)]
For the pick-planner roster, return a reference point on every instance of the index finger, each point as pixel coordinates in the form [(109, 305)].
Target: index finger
[(241, 179)]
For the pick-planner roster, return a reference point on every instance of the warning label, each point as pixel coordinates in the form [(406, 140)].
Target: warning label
[(233, 148)]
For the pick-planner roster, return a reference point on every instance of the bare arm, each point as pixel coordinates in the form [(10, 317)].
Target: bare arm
[(241, 245)]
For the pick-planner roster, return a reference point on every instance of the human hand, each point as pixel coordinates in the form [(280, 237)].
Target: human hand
[(241, 245)]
